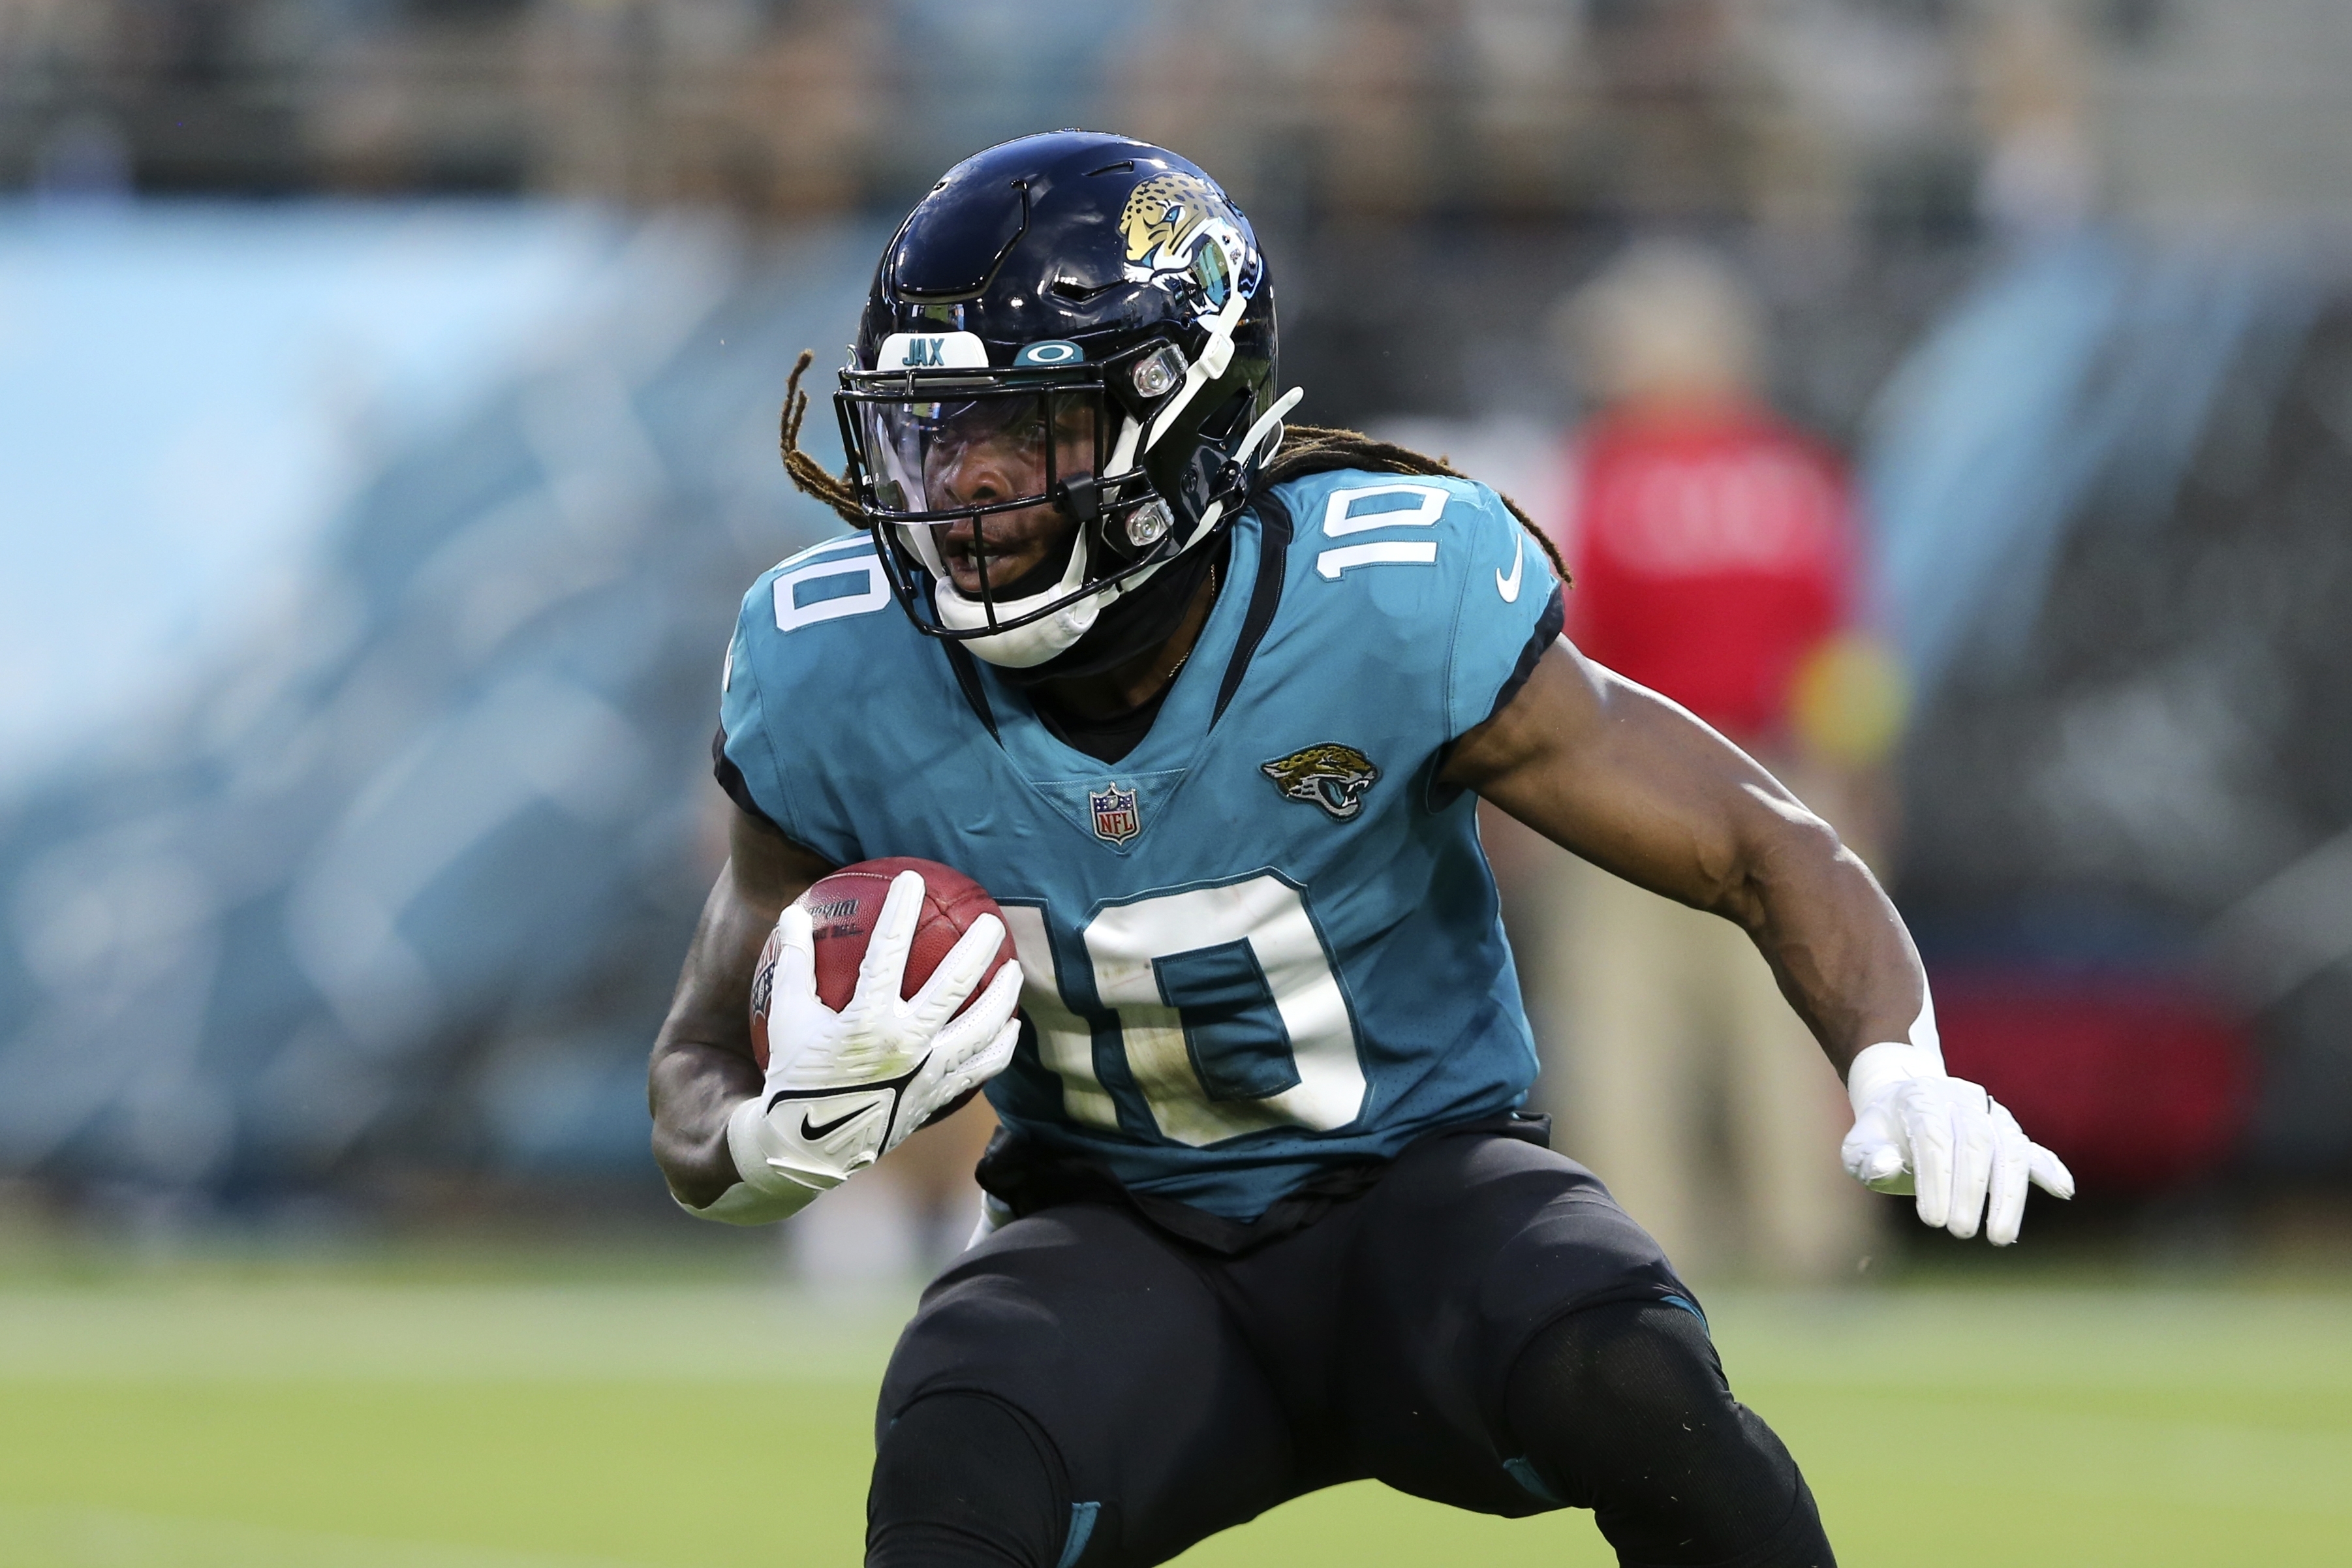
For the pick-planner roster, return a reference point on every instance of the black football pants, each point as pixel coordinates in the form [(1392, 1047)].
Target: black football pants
[(1485, 1327)]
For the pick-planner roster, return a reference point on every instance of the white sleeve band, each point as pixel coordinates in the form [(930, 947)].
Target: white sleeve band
[(763, 1154), (762, 1194), (744, 1126), (744, 1204)]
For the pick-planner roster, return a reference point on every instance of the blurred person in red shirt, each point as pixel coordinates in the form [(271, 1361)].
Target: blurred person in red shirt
[(1716, 555)]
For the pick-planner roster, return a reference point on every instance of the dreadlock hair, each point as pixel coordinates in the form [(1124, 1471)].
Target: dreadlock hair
[(1305, 449), (808, 476)]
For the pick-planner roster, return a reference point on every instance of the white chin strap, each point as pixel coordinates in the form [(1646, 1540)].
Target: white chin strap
[(1024, 647)]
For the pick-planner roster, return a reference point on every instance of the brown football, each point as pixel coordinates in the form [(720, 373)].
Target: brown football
[(841, 911)]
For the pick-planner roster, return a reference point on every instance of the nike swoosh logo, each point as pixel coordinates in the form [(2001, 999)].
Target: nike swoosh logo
[(815, 1130), (1509, 587)]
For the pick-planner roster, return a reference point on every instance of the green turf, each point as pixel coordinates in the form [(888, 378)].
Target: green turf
[(359, 1419)]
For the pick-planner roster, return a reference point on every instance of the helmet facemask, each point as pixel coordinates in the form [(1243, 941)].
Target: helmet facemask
[(1085, 318), (1020, 494)]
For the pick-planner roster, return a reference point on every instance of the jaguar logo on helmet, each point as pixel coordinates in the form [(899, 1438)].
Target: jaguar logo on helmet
[(1161, 213), (1331, 776), (1179, 223)]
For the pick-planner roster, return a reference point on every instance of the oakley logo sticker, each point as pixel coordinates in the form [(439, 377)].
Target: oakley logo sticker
[(1054, 351)]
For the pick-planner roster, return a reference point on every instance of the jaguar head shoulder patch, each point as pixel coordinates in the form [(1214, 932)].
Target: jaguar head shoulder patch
[(1331, 776)]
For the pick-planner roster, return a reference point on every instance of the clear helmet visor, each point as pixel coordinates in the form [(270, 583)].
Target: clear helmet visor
[(983, 452), (979, 483)]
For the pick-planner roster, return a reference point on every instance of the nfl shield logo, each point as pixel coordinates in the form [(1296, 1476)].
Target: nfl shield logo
[(1116, 819)]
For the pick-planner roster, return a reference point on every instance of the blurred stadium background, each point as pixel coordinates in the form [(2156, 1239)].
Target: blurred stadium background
[(387, 402)]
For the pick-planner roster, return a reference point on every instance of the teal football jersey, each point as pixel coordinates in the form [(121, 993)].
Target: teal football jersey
[(1266, 939)]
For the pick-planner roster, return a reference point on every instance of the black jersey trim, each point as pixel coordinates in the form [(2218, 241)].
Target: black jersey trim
[(1548, 630), (967, 677), (1266, 595), (1547, 633), (730, 779)]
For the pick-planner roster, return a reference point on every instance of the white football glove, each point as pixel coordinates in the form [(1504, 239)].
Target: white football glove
[(1919, 1130), (845, 1088)]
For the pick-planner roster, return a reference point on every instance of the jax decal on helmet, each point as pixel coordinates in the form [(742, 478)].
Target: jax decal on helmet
[(1098, 307)]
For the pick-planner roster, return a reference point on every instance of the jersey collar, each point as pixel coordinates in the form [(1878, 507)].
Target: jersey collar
[(1180, 730)]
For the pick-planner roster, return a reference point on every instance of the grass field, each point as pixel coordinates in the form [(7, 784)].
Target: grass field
[(384, 1416)]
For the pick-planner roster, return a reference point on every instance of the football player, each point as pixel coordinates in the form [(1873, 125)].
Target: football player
[(1206, 711)]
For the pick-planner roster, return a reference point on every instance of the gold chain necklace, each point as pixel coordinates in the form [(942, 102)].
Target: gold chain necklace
[(1187, 654)]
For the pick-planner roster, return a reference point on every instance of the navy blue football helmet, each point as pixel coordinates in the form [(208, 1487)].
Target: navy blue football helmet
[(1101, 305)]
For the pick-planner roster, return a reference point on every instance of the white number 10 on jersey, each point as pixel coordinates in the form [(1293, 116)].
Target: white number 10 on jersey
[(1225, 1004)]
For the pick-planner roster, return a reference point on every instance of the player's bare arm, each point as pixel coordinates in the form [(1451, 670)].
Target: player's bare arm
[(702, 1064), (1634, 783)]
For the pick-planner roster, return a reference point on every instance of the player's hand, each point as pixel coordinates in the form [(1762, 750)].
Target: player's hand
[(1919, 1130), (845, 1088)]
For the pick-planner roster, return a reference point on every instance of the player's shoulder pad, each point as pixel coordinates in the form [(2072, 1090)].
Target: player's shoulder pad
[(1416, 572), (1358, 527), (819, 629), (827, 604)]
